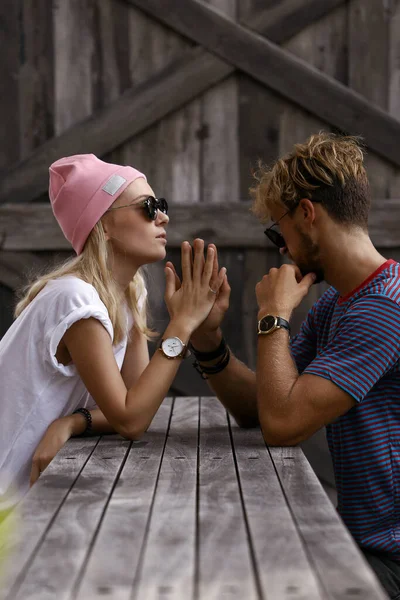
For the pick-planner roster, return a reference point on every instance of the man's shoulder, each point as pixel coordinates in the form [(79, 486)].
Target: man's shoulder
[(326, 300), (384, 289), (391, 282)]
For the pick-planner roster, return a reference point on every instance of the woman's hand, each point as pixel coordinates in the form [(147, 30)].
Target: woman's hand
[(215, 317), (214, 320), (57, 434), (192, 300)]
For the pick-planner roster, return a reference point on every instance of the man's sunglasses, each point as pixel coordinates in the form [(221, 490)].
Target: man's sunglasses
[(151, 205), (275, 236)]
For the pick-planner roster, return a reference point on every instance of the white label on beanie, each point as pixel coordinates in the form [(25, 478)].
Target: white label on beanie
[(113, 184)]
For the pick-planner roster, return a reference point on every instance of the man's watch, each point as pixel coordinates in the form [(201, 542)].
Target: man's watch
[(270, 323), (173, 347)]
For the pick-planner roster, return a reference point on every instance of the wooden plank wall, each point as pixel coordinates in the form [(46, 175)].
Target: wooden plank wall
[(9, 146), (194, 155), (102, 48), (67, 59), (27, 110)]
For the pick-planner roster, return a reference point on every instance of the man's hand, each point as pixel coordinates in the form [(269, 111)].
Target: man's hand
[(282, 290), (211, 324), (57, 434)]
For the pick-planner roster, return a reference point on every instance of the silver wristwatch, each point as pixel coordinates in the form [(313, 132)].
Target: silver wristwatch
[(173, 347)]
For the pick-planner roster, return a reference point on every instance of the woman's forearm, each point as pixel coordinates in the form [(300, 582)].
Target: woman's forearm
[(143, 399), (100, 424)]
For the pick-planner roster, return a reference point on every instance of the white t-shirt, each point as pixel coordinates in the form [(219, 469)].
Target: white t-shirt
[(35, 389)]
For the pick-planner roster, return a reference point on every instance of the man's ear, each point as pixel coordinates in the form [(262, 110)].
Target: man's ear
[(307, 210)]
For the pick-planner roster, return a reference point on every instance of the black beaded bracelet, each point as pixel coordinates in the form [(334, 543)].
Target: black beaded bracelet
[(88, 417), (204, 371), (206, 356)]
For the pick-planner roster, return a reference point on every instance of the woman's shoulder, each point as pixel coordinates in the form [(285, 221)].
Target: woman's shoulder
[(70, 284), (71, 288)]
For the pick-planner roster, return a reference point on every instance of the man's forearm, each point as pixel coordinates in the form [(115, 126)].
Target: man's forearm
[(276, 376), (235, 386)]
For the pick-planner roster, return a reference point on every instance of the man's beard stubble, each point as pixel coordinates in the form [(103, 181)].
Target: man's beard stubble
[(309, 261)]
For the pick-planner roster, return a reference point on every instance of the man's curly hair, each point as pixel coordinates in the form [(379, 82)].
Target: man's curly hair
[(328, 169)]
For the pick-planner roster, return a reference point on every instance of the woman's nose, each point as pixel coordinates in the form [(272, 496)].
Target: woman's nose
[(162, 217)]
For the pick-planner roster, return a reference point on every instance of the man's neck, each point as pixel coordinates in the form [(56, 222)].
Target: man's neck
[(350, 262)]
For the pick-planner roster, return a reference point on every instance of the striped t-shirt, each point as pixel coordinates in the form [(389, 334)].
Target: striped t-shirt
[(354, 341)]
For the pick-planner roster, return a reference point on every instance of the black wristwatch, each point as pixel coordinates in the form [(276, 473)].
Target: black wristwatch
[(270, 323)]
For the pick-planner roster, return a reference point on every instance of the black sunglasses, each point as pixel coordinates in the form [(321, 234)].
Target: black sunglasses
[(276, 237), (153, 205), (150, 204)]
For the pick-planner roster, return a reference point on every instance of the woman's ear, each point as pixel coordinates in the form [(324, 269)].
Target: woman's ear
[(106, 228)]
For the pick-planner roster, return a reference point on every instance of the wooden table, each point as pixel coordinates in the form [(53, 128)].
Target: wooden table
[(199, 509)]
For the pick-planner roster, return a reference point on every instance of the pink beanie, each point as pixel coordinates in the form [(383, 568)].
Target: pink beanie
[(81, 189)]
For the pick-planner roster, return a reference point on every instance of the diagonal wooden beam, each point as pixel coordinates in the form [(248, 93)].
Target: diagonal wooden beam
[(134, 111), (32, 226), (281, 71), (283, 19), (144, 105), (278, 22)]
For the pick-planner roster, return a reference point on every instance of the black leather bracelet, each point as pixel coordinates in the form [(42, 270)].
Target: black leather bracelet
[(206, 356), (88, 417), (204, 371)]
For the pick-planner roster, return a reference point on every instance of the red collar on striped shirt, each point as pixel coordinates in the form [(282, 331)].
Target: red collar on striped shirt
[(366, 281)]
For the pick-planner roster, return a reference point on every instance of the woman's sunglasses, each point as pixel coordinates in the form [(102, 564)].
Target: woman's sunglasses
[(151, 205)]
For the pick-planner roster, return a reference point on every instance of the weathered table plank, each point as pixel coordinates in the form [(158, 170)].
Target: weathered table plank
[(168, 567), (44, 501), (197, 510), (337, 560), (57, 563), (282, 562), (225, 566), (115, 556)]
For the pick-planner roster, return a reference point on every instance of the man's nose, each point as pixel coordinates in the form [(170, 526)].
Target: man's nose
[(283, 250)]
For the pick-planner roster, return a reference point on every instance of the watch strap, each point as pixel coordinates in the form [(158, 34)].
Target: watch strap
[(281, 322)]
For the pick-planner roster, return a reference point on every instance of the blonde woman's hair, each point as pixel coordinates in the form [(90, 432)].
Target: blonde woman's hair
[(328, 169), (92, 266)]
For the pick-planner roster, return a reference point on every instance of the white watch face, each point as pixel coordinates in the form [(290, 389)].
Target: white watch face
[(172, 346)]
